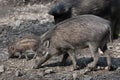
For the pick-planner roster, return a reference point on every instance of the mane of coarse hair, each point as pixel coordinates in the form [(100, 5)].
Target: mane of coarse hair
[(48, 34)]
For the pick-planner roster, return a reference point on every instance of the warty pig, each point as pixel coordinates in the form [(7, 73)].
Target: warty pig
[(75, 33)]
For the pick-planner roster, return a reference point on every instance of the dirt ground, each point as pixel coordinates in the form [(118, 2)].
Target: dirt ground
[(18, 21)]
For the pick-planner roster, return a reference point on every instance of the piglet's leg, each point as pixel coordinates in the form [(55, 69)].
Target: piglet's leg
[(26, 56), (35, 55), (20, 55)]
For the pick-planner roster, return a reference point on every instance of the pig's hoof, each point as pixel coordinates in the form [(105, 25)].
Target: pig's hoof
[(75, 68), (91, 66), (111, 68)]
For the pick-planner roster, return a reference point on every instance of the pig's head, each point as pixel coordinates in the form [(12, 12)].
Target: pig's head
[(11, 50), (46, 49), (59, 9), (44, 52), (60, 12), (45, 45)]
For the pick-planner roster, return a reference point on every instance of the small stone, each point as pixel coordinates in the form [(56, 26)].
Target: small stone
[(118, 56), (106, 68), (84, 71), (48, 71), (98, 67), (117, 48), (8, 72), (41, 74), (75, 76), (87, 77), (18, 73), (2, 68), (118, 51), (118, 44), (118, 68), (18, 22)]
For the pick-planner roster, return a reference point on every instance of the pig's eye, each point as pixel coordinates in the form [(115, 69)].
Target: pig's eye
[(46, 43)]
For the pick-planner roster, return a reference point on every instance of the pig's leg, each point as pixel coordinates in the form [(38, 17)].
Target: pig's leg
[(65, 56), (39, 62), (73, 58), (35, 53), (94, 50), (109, 61), (26, 56), (20, 55), (107, 53)]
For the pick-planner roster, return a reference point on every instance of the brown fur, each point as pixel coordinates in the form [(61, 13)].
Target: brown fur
[(75, 33), (29, 42)]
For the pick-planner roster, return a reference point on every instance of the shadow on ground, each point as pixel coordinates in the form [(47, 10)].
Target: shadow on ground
[(82, 62)]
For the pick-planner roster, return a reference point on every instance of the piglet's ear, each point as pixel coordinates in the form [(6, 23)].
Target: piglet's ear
[(46, 43), (11, 47)]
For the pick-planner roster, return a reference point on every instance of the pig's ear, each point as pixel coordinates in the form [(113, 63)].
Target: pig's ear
[(46, 43), (67, 9)]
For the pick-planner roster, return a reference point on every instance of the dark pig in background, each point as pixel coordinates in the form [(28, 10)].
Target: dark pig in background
[(108, 9), (115, 17), (75, 33), (79, 7)]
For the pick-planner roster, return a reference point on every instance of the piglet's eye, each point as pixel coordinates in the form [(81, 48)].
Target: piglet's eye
[(12, 47)]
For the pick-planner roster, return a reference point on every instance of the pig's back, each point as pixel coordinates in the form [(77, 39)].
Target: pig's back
[(81, 28)]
